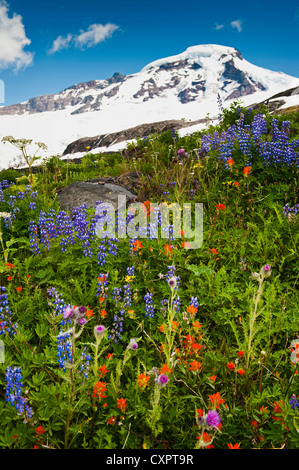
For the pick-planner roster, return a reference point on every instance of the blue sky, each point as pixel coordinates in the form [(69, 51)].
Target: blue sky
[(46, 46)]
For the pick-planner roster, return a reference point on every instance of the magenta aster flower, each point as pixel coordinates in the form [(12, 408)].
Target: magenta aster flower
[(133, 344), (172, 282), (162, 379), (67, 312), (213, 418), (266, 270), (99, 331)]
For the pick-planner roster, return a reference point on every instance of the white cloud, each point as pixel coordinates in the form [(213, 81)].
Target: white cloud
[(218, 26), (60, 43), (237, 24), (13, 40), (95, 34)]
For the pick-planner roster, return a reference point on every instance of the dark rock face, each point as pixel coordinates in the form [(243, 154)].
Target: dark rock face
[(275, 102), (116, 78), (140, 131), (246, 86), (273, 106), (172, 66), (91, 192), (185, 96), (289, 92)]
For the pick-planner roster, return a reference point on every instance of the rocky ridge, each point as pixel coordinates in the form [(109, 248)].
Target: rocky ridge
[(143, 130)]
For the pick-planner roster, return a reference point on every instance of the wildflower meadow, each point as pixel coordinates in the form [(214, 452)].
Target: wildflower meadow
[(143, 342)]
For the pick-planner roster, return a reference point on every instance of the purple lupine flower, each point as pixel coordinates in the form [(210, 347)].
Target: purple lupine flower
[(13, 391), (6, 326), (294, 402), (149, 307), (64, 349), (85, 360), (117, 326)]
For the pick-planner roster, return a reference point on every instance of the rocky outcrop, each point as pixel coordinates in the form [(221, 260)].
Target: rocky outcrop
[(246, 85), (143, 130), (275, 102), (91, 192)]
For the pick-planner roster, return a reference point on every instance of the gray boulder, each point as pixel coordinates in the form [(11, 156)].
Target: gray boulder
[(88, 192)]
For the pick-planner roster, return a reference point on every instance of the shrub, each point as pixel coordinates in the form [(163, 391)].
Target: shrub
[(11, 175)]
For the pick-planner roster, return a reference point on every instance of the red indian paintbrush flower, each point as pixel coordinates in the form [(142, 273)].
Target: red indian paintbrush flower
[(216, 400), (99, 390), (122, 404), (143, 380)]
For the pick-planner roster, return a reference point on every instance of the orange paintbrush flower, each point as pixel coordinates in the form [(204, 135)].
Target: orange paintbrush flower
[(216, 400), (122, 404), (192, 309), (165, 369), (143, 380), (246, 171), (195, 365), (103, 370), (99, 390), (89, 313), (137, 245), (235, 446), (212, 378)]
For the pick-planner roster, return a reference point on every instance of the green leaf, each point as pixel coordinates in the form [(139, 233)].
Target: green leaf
[(198, 270)]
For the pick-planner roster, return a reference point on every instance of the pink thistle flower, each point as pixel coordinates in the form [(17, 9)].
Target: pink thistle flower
[(213, 418), (67, 312)]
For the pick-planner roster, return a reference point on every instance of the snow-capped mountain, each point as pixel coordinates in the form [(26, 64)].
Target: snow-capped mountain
[(182, 86)]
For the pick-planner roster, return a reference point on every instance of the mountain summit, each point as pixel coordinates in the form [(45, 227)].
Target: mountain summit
[(195, 75), (184, 86)]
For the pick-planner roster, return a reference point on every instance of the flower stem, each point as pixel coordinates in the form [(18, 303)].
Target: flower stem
[(252, 321)]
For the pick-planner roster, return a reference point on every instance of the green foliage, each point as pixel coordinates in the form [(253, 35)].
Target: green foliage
[(11, 175), (23, 181)]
